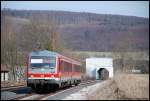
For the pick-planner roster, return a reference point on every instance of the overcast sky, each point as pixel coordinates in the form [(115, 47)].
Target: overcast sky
[(131, 8)]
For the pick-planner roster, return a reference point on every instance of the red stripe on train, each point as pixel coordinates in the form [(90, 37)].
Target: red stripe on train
[(43, 75)]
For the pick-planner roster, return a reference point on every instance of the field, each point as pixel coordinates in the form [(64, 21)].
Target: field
[(124, 87), (5, 84)]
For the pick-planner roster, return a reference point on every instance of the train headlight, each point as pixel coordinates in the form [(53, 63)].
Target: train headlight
[(42, 76), (31, 76), (52, 76), (60, 74)]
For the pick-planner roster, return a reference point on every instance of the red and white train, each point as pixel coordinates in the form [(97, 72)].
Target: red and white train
[(47, 70)]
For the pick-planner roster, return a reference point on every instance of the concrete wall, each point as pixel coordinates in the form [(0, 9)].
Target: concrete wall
[(97, 63)]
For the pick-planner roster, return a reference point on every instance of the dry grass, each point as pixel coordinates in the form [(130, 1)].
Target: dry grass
[(12, 83), (133, 86), (123, 87), (106, 91)]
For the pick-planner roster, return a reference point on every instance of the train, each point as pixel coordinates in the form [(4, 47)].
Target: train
[(49, 70)]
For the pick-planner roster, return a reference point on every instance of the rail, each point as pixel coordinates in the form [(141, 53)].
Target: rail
[(34, 96), (12, 88)]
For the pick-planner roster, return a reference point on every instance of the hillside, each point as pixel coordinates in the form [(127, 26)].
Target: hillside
[(92, 32), (121, 87)]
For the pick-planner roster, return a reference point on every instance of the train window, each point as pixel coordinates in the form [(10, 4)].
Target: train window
[(65, 66), (74, 68), (46, 65), (77, 68), (69, 67), (45, 62), (62, 66)]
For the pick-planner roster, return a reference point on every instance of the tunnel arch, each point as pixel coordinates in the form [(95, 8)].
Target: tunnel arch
[(95, 64), (102, 74)]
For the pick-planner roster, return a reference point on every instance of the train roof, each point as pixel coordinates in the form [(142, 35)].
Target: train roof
[(43, 53), (51, 53)]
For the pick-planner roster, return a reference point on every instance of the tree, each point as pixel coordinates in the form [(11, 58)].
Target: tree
[(41, 34), (122, 53), (33, 36), (8, 46)]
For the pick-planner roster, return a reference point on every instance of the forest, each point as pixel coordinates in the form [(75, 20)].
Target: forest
[(23, 31), (82, 31)]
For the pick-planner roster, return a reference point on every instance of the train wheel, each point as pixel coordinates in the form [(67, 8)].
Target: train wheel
[(76, 84), (53, 87), (70, 84), (38, 88)]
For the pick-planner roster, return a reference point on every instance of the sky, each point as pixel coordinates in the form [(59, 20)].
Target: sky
[(130, 8)]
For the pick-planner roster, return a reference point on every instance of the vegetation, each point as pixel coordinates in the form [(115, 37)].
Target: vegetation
[(35, 35), (78, 30), (27, 30), (123, 87)]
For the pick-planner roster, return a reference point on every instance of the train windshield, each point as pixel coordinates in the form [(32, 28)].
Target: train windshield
[(41, 65), (43, 62)]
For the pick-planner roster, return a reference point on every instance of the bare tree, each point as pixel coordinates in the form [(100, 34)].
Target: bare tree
[(8, 46), (41, 34), (122, 51), (36, 35)]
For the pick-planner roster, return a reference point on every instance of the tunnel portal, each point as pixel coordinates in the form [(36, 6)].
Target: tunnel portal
[(102, 74)]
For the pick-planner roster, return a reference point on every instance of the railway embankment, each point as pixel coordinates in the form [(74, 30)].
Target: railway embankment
[(124, 87), (7, 84), (121, 87)]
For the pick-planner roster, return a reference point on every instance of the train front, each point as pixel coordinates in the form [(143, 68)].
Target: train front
[(42, 71)]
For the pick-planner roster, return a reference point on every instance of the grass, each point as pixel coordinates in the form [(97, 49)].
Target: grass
[(133, 86), (124, 87), (105, 91), (12, 83)]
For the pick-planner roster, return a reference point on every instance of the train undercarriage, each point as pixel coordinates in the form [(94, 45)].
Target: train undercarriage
[(39, 85)]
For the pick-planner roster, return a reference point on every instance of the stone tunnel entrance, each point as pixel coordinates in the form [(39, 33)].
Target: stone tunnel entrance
[(102, 74), (99, 68)]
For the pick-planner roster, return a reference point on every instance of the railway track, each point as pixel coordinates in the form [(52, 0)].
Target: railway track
[(42, 96), (35, 96), (12, 88)]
